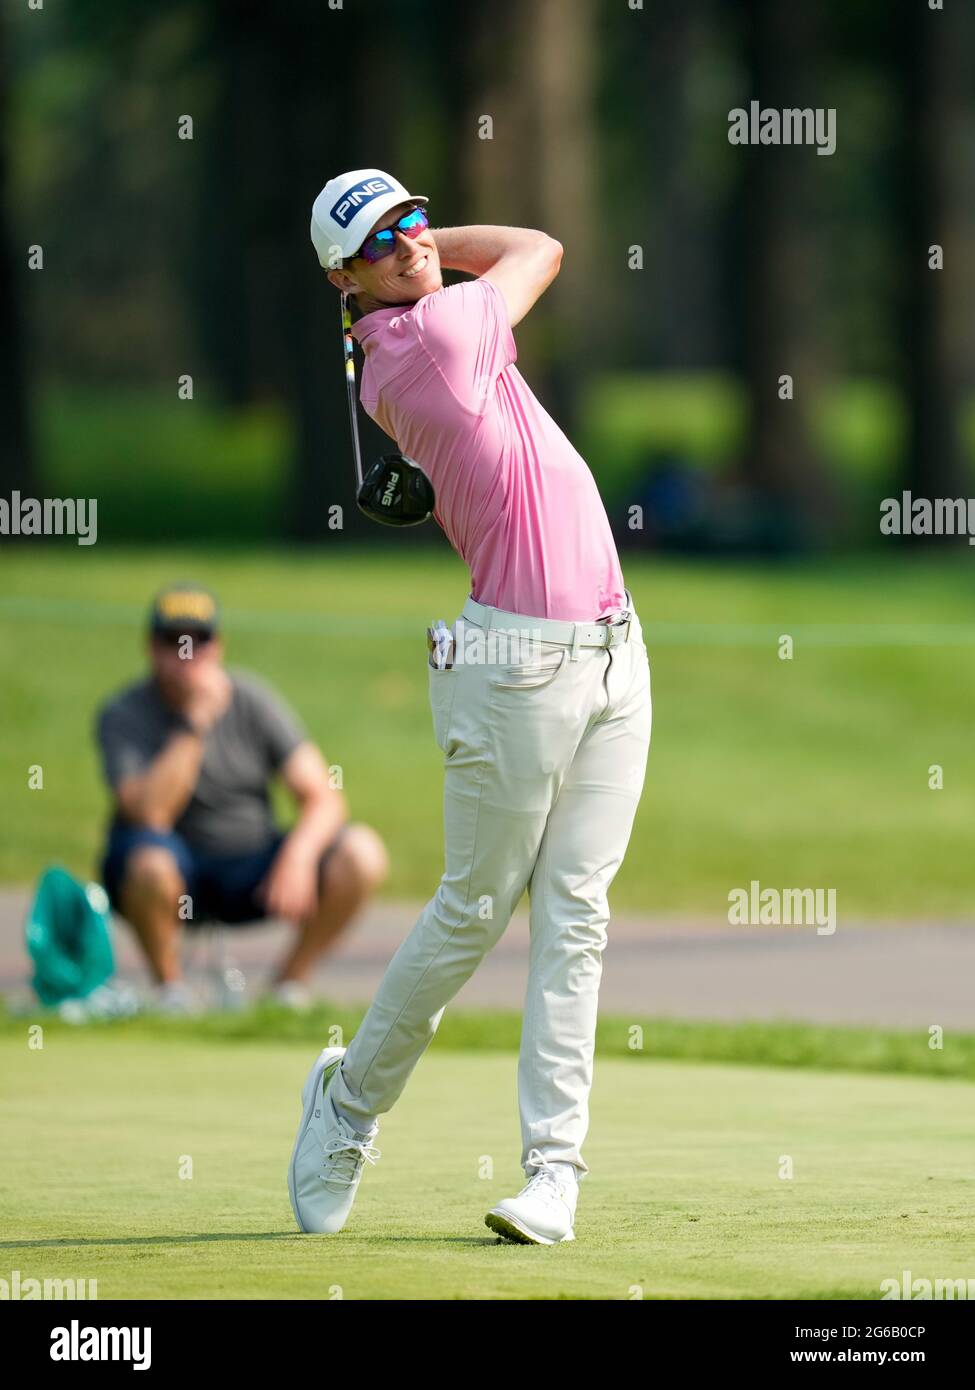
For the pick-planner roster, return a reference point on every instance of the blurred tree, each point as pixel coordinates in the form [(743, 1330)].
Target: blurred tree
[(560, 164), (664, 171), (933, 56), (608, 130), (454, 42), (779, 282), (520, 70), (494, 125), (231, 49), (16, 451), (305, 123)]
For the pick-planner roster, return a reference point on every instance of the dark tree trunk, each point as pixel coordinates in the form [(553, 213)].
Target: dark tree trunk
[(778, 268), (309, 121), (17, 463), (931, 45), (663, 316), (505, 181), (563, 167), (218, 274)]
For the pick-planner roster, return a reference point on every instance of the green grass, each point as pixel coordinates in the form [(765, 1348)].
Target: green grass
[(628, 417), (162, 468), (857, 426), (683, 1200), (810, 772), (767, 1044)]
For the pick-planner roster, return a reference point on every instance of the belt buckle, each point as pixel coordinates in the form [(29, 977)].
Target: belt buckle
[(625, 621)]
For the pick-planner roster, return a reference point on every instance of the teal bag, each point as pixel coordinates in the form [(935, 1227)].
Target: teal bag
[(69, 937)]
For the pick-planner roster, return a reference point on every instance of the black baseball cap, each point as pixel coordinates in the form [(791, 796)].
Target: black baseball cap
[(183, 608)]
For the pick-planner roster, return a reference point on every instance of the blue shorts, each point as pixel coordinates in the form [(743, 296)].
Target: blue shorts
[(222, 887)]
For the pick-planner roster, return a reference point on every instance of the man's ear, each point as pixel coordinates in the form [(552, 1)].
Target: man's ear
[(342, 280)]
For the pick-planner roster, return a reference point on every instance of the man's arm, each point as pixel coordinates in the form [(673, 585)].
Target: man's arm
[(291, 887), (522, 263), (322, 810), (157, 797)]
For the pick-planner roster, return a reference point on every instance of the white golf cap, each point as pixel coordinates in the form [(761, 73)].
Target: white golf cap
[(349, 206)]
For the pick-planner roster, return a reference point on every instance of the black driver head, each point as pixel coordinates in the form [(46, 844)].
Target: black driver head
[(396, 491)]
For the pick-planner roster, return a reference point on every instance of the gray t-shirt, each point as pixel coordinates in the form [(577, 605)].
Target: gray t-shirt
[(229, 811)]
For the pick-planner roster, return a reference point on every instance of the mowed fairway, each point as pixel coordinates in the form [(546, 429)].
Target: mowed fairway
[(812, 771), (684, 1199)]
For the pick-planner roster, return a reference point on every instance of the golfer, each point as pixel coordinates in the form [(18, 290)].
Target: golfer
[(540, 695)]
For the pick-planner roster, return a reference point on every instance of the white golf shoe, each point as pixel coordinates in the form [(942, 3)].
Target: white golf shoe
[(544, 1210), (329, 1155)]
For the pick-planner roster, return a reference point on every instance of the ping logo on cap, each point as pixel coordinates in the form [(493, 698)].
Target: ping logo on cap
[(354, 198)]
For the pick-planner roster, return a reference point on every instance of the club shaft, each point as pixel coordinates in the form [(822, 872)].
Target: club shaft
[(350, 384)]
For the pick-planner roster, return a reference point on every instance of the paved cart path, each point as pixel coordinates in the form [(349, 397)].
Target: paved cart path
[(891, 974)]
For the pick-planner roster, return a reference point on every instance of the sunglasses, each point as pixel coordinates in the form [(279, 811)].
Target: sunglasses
[(381, 244)]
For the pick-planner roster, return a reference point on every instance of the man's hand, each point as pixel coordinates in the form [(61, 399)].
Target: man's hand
[(207, 699), (158, 796), (290, 889)]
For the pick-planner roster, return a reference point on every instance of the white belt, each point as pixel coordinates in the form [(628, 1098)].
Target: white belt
[(572, 635)]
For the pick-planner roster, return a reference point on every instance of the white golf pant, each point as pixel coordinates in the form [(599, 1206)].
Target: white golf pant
[(544, 764)]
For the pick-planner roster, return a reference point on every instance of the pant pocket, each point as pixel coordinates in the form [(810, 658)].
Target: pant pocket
[(442, 686), (530, 675)]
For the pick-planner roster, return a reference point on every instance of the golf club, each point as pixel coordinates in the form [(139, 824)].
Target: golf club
[(395, 491)]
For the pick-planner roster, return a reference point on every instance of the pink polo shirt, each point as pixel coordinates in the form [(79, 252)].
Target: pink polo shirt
[(517, 502)]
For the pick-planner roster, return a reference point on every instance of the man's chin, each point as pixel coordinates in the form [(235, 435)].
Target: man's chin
[(423, 285), (410, 293)]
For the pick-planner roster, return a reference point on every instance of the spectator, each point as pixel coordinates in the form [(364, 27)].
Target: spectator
[(189, 753)]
